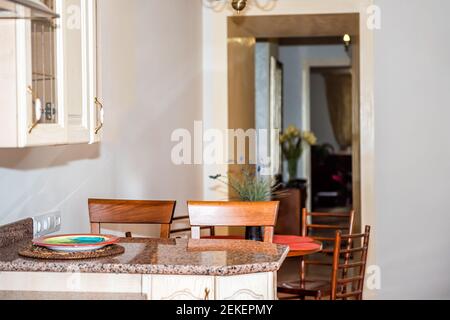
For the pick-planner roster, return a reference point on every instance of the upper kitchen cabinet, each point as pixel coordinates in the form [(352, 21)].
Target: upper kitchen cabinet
[(48, 77)]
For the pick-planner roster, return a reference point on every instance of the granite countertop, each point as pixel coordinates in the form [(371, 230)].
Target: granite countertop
[(161, 256)]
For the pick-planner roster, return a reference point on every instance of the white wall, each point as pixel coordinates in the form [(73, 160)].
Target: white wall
[(152, 84), (412, 79), (294, 59)]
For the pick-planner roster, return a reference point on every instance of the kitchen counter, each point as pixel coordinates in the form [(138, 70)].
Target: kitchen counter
[(153, 268), (162, 256)]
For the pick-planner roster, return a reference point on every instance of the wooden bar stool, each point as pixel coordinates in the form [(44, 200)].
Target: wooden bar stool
[(233, 214), (131, 212)]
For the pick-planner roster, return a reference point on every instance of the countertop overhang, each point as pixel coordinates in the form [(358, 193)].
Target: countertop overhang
[(162, 256)]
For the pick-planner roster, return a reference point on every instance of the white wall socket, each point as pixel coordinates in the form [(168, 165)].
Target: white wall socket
[(46, 224)]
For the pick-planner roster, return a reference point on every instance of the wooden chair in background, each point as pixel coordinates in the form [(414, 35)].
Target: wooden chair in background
[(131, 212), (233, 214), (344, 283), (321, 227)]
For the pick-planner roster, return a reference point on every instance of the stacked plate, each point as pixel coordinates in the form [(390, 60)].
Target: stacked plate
[(76, 242)]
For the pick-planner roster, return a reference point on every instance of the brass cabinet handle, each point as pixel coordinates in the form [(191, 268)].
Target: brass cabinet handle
[(37, 110), (101, 115), (207, 292)]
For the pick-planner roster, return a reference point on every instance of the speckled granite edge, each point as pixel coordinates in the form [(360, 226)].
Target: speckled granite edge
[(86, 267), (28, 265), (16, 232)]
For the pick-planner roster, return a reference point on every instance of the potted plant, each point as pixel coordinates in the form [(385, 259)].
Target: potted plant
[(292, 144), (250, 186)]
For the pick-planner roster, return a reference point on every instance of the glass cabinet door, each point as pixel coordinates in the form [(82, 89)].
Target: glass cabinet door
[(44, 69), (41, 105), (61, 103)]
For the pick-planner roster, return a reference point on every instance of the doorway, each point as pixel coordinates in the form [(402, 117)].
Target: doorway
[(331, 182), (255, 40)]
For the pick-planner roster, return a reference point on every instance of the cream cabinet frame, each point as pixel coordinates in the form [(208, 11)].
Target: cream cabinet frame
[(255, 286), (79, 109)]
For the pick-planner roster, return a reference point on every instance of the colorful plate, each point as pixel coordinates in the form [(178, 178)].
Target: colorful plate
[(76, 242)]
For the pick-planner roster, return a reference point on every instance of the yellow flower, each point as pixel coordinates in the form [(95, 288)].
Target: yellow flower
[(310, 138), (290, 130), (293, 132)]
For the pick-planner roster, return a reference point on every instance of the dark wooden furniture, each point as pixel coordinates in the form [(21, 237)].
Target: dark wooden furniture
[(233, 214), (331, 179), (131, 212), (320, 227), (289, 220)]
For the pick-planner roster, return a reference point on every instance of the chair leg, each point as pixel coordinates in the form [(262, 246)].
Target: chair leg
[(318, 295)]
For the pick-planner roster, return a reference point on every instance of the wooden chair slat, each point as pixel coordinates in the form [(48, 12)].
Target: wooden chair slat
[(105, 211), (352, 236), (349, 280), (323, 239), (349, 294), (351, 265), (327, 226), (318, 263), (329, 214), (233, 214), (353, 250), (131, 211)]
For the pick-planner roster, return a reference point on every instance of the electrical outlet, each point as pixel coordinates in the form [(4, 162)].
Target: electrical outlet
[(46, 224)]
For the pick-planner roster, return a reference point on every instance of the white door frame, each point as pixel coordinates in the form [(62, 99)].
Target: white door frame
[(306, 110)]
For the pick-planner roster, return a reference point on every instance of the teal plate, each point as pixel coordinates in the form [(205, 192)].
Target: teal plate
[(76, 242)]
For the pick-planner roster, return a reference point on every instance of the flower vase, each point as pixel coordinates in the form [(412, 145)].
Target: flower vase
[(292, 169)]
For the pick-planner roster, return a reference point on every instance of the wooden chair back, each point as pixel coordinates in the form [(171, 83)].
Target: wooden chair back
[(103, 211), (341, 278), (341, 221), (233, 214), (320, 227)]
